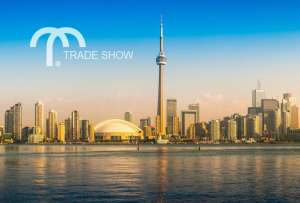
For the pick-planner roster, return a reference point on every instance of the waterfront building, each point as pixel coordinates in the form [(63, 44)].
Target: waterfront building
[(8, 121), (254, 128), (294, 117), (35, 139), (68, 130), (145, 125), (232, 130), (270, 109), (172, 117), (75, 126), (215, 130), (241, 122), (118, 130), (188, 118), (52, 126), (61, 132), (84, 130), (26, 131), (39, 118), (17, 122), (91, 133), (201, 130)]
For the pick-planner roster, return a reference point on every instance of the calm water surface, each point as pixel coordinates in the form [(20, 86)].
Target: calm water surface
[(179, 173)]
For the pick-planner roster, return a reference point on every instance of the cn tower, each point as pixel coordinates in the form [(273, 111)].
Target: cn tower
[(161, 61)]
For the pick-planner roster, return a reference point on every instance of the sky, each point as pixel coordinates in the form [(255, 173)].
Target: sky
[(216, 50)]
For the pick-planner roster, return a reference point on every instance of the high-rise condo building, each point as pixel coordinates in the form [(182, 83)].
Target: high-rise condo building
[(294, 117), (172, 117), (9, 121), (215, 130), (39, 118), (52, 126), (68, 130), (232, 130), (17, 122), (84, 130), (287, 102), (61, 132), (241, 122), (289, 113), (161, 61), (75, 126), (91, 133)]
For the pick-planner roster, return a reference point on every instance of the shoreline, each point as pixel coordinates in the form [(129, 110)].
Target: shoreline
[(155, 144)]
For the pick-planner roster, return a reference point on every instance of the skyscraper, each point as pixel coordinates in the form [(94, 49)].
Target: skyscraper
[(9, 121), (39, 118), (61, 132), (84, 130), (289, 112), (188, 120), (270, 108), (257, 95), (91, 133), (215, 130), (128, 116), (196, 108), (52, 126), (232, 130), (286, 105), (253, 126), (68, 130), (241, 122), (161, 61), (17, 122), (75, 126), (172, 117), (294, 117)]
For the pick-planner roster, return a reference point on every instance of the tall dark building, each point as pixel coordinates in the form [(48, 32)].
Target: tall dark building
[(84, 130), (9, 121), (68, 130), (271, 116), (75, 126)]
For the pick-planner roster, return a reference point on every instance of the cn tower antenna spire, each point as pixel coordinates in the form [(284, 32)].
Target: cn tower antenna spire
[(161, 35)]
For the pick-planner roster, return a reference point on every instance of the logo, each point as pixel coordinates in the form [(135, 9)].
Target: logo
[(53, 34)]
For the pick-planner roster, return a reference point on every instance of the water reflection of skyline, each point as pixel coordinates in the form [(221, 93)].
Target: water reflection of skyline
[(157, 173)]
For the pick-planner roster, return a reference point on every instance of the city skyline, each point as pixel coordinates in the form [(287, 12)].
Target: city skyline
[(210, 58)]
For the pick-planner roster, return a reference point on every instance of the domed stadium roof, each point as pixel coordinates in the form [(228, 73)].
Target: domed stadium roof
[(116, 126)]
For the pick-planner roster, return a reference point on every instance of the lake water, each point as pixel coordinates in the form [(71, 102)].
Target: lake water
[(175, 173)]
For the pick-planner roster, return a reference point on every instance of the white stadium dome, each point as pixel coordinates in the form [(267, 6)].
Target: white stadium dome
[(117, 129)]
